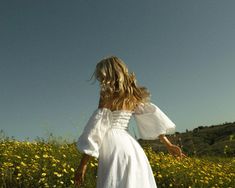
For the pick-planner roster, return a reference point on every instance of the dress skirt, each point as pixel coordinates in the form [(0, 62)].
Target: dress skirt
[(123, 163)]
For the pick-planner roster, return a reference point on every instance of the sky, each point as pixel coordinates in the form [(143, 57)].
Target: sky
[(182, 51)]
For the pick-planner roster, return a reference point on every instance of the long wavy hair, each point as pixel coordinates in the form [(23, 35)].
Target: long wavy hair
[(118, 88)]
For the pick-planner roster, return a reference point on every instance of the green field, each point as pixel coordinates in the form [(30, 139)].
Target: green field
[(50, 164)]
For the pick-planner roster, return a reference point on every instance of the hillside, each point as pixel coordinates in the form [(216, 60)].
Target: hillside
[(211, 140)]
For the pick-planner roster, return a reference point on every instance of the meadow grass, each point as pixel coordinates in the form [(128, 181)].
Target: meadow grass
[(50, 164)]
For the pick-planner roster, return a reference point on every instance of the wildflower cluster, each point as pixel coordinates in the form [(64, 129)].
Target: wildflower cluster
[(170, 171), (39, 164)]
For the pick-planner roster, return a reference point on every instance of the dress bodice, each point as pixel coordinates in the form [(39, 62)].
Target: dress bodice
[(150, 120), (120, 119)]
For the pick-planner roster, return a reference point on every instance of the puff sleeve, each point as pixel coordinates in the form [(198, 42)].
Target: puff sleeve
[(151, 121), (91, 138)]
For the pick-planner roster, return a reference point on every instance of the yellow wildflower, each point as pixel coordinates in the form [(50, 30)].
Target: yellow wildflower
[(57, 174), (23, 164), (45, 156), (36, 156)]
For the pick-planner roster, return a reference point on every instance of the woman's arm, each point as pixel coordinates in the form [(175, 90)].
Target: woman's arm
[(173, 149), (164, 140), (85, 159), (81, 170)]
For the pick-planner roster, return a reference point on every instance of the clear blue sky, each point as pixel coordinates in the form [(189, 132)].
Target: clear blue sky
[(183, 51)]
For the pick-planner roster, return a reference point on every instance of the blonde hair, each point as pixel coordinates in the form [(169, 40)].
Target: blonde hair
[(118, 87)]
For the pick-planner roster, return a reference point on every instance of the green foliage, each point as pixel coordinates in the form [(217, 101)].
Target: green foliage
[(215, 140), (45, 164)]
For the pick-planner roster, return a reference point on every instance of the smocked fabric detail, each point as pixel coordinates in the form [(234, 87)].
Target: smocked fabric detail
[(120, 119)]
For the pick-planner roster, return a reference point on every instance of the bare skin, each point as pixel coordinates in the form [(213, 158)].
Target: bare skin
[(172, 149), (81, 170)]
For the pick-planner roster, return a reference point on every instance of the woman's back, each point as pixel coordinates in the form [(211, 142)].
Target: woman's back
[(122, 161)]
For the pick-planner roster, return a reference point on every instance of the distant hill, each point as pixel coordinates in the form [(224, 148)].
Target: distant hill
[(211, 140)]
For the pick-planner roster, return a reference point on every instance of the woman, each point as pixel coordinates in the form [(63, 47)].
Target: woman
[(122, 161)]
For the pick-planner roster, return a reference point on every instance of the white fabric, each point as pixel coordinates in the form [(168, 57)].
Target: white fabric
[(151, 121), (122, 161), (90, 140)]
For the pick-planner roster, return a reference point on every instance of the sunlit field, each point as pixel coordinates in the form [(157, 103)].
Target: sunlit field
[(50, 164)]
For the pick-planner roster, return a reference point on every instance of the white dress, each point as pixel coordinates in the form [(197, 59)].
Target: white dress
[(122, 161)]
